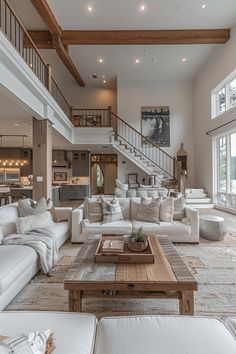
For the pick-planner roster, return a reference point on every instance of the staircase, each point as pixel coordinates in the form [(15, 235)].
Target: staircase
[(198, 198), (150, 158)]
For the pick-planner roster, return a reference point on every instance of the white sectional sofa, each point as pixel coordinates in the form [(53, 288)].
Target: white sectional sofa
[(82, 334), (18, 264), (177, 230)]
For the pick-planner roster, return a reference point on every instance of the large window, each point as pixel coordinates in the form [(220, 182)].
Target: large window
[(224, 96), (226, 169)]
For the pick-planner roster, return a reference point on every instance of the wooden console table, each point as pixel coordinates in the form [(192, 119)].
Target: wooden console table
[(168, 278)]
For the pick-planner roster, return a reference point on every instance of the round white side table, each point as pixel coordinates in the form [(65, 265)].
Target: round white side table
[(212, 227)]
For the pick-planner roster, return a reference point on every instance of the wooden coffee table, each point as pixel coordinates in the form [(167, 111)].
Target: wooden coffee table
[(168, 278)]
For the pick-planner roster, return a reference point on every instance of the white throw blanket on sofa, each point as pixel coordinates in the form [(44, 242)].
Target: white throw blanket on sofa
[(42, 241)]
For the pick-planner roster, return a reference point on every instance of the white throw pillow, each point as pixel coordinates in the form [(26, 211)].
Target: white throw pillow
[(120, 193), (32, 222), (111, 211), (167, 209), (122, 186), (149, 211), (34, 342), (29, 207), (179, 208)]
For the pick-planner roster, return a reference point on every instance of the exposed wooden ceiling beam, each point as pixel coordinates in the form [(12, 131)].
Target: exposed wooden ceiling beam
[(47, 16), (63, 54), (53, 38), (152, 37), (43, 38)]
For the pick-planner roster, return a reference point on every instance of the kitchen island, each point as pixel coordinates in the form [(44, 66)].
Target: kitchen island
[(26, 192)]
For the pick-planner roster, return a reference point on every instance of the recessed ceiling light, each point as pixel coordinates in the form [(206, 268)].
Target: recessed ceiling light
[(184, 60), (90, 8), (104, 81), (100, 60), (142, 7), (137, 61), (203, 6)]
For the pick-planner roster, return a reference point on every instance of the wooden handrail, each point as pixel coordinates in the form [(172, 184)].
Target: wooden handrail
[(25, 30), (143, 137)]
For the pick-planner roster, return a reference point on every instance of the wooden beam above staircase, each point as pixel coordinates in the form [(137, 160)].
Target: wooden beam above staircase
[(134, 37), (53, 38)]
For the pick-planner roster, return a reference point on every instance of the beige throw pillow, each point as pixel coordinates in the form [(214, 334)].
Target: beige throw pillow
[(167, 209), (111, 211), (179, 211), (149, 211)]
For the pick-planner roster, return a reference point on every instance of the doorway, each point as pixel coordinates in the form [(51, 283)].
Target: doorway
[(103, 173)]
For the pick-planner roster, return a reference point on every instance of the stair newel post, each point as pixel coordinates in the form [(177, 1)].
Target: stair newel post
[(71, 113), (49, 78), (114, 124), (109, 116), (174, 167)]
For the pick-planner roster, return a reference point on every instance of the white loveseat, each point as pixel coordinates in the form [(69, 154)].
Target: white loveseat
[(18, 264), (178, 231), (82, 334)]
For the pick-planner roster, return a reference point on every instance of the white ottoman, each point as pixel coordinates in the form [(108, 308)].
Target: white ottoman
[(212, 227)]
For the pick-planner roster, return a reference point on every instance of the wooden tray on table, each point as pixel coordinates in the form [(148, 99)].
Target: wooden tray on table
[(127, 256)]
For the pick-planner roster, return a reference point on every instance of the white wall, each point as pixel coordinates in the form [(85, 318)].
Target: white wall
[(218, 66), (132, 95), (89, 97), (125, 167)]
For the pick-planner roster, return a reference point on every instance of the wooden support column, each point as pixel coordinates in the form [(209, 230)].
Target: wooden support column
[(42, 159)]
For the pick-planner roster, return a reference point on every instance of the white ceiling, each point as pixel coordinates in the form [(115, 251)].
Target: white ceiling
[(159, 14), (157, 62)]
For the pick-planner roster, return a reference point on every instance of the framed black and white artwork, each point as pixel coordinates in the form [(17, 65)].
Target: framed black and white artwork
[(155, 125)]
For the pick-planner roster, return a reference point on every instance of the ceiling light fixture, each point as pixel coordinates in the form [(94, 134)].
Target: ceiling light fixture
[(142, 8), (90, 8), (100, 60), (137, 61), (103, 76), (104, 81), (184, 60), (203, 6)]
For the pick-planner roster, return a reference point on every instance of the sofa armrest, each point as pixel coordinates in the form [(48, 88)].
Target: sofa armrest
[(63, 213), (193, 216), (77, 218)]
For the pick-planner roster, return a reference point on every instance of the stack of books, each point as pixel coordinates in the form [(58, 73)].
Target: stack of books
[(113, 246)]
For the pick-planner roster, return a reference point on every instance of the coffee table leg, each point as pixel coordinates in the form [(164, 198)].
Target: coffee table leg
[(75, 301), (186, 303)]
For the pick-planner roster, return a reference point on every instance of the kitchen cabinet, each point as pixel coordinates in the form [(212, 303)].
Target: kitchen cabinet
[(80, 163)]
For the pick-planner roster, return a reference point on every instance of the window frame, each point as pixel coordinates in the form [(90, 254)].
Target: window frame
[(215, 112)]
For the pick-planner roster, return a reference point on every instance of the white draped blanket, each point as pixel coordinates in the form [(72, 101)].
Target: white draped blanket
[(42, 241)]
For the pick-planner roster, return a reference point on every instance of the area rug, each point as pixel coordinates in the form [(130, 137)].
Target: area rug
[(212, 263)]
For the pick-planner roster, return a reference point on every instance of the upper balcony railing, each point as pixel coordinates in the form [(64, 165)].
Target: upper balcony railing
[(15, 31)]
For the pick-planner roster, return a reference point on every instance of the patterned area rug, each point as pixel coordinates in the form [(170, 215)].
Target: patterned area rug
[(212, 263)]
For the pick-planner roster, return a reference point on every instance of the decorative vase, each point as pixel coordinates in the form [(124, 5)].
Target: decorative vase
[(138, 246)]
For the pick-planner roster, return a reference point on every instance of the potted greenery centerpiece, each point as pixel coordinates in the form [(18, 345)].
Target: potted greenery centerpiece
[(137, 241)]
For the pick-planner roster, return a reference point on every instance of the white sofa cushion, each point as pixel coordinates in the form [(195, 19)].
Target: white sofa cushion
[(61, 231), (8, 216), (177, 231), (167, 209), (112, 228), (231, 323), (164, 335), (14, 260), (74, 333)]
